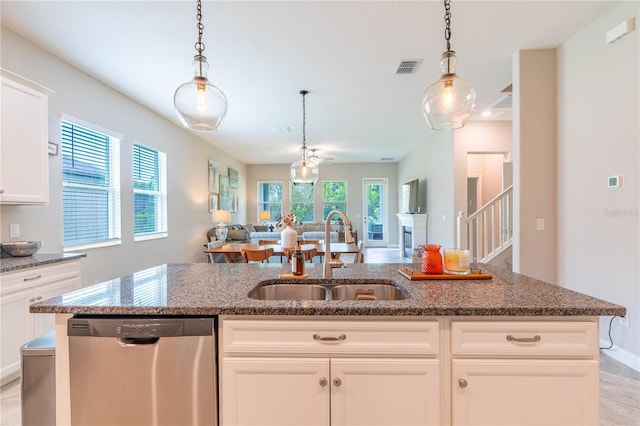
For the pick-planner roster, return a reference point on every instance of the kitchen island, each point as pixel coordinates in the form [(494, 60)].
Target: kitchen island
[(454, 352)]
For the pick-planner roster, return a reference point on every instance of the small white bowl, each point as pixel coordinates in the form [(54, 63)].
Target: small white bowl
[(21, 248)]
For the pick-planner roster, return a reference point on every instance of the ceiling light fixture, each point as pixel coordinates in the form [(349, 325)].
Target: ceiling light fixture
[(200, 105), (448, 103), (304, 170)]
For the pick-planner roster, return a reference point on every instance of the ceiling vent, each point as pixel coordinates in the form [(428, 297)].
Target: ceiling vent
[(504, 103), (386, 159), (408, 66)]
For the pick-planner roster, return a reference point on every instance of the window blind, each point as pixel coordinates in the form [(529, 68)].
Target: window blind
[(90, 180), (148, 192)]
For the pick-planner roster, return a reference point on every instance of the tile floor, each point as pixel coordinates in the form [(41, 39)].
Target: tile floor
[(619, 384)]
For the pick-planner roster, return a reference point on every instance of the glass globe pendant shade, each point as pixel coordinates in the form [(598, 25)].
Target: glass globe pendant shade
[(200, 105), (449, 102), (304, 172)]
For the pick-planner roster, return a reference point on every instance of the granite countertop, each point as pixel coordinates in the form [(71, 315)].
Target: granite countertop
[(8, 263), (219, 289)]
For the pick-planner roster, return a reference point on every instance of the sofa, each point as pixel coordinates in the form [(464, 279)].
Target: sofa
[(237, 233), (275, 236)]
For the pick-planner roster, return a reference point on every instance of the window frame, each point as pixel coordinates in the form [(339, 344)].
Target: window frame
[(325, 201), (261, 203), (161, 207), (113, 189), (312, 202)]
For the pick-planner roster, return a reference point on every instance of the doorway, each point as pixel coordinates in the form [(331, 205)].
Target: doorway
[(375, 220)]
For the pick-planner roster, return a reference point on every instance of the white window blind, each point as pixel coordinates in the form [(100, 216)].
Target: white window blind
[(90, 186), (149, 192)]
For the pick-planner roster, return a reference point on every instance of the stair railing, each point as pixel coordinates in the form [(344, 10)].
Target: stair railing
[(490, 229)]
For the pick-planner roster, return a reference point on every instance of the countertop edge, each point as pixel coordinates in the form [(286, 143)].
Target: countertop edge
[(10, 264)]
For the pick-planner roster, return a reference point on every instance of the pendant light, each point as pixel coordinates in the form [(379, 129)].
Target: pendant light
[(448, 103), (200, 105), (305, 170)]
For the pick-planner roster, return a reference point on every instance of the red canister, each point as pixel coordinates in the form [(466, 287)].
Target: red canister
[(432, 260)]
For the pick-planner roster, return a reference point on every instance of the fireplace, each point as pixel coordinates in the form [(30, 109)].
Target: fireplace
[(406, 237), (412, 231)]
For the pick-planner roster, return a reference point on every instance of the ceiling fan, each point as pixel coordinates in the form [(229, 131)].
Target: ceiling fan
[(316, 158)]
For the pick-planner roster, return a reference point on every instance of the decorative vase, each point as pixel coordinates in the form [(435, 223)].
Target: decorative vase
[(288, 237), (432, 260)]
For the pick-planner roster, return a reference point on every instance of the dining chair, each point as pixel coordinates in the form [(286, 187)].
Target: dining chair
[(256, 255), (269, 242), (308, 253), (312, 242)]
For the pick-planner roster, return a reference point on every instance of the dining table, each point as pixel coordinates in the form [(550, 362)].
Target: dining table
[(232, 251)]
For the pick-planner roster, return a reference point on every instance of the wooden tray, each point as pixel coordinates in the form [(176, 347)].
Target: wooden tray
[(290, 276), (417, 275)]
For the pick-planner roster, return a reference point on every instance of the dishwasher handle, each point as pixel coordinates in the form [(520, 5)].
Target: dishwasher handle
[(130, 341)]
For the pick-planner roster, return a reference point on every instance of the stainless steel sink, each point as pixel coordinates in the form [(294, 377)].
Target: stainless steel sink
[(369, 289)]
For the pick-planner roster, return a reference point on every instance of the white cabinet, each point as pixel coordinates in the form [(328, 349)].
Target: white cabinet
[(20, 289), (370, 372), (24, 164), (542, 373)]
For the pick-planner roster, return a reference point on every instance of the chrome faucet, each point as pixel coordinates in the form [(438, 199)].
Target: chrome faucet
[(329, 264)]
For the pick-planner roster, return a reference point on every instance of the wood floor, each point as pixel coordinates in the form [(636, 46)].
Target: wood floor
[(619, 384)]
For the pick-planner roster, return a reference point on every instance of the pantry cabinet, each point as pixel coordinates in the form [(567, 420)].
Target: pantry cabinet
[(343, 373), (19, 290), (24, 163)]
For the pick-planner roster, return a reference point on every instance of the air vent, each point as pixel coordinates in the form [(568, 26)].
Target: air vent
[(408, 66), (504, 103), (386, 159)]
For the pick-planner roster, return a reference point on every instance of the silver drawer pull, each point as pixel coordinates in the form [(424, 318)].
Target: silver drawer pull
[(32, 278), (329, 339), (533, 339)]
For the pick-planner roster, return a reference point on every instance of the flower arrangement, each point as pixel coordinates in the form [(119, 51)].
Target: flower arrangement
[(288, 219)]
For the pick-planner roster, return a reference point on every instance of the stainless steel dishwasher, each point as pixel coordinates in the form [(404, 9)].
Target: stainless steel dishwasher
[(142, 371)]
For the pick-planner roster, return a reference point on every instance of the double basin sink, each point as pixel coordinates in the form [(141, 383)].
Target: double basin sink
[(329, 289)]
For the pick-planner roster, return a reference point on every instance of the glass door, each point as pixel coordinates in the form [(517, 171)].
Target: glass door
[(375, 222)]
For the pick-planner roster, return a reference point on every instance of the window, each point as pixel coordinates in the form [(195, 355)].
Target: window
[(302, 201), (334, 196), (90, 185), (270, 198), (149, 193)]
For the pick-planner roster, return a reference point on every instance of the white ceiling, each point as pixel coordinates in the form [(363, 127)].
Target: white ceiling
[(262, 53)]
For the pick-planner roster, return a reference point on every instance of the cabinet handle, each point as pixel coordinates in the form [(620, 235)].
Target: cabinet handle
[(1, 191), (337, 381), (330, 338), (32, 278), (462, 383), (323, 381), (39, 298), (533, 339), (33, 299)]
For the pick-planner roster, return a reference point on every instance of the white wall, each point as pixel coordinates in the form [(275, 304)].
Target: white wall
[(81, 96), (598, 136), (352, 173)]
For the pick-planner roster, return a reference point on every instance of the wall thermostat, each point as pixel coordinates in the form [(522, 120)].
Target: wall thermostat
[(615, 181)]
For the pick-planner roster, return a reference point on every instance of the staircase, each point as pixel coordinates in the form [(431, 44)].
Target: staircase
[(490, 229)]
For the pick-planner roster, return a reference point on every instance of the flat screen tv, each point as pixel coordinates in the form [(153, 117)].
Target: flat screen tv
[(410, 196)]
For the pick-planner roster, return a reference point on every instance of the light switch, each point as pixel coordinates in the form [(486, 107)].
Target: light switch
[(14, 230), (540, 224)]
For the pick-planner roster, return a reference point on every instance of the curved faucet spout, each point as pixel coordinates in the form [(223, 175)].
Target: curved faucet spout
[(328, 265)]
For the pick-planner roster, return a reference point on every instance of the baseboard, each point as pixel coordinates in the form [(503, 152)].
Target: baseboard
[(620, 355)]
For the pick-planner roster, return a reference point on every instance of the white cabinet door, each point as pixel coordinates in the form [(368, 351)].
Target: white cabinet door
[(274, 391), (16, 330), (532, 392), (24, 163), (385, 391), (43, 323)]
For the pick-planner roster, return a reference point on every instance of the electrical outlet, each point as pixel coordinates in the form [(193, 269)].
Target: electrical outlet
[(624, 321), (14, 230)]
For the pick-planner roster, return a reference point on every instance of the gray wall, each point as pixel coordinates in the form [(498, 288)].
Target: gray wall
[(598, 136), (83, 97)]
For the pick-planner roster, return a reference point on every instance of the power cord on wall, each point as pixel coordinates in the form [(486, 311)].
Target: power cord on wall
[(610, 339)]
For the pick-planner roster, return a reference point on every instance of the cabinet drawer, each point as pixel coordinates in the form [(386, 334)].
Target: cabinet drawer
[(34, 277), (330, 337), (577, 338)]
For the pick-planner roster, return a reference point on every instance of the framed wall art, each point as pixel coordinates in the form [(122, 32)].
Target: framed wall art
[(234, 203), (213, 201), (213, 176), (233, 178), (225, 194)]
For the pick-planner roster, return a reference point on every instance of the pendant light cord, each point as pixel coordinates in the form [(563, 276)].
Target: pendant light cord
[(447, 21), (199, 44), (304, 117)]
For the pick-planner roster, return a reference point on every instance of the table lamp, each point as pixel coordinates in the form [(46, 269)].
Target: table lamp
[(221, 216), (264, 216)]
